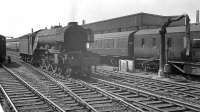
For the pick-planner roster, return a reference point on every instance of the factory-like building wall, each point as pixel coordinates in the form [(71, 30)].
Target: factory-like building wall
[(131, 22)]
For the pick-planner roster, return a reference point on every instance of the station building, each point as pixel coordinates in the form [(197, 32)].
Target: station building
[(131, 22)]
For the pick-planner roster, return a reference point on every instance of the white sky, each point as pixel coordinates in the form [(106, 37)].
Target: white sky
[(19, 16)]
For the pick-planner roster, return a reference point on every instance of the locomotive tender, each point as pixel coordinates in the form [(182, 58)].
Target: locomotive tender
[(60, 50)]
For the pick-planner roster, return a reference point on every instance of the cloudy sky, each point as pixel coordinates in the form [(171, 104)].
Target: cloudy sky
[(19, 16)]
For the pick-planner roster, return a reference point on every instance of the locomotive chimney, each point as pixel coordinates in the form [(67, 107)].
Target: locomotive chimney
[(31, 30), (197, 17), (83, 22), (72, 23)]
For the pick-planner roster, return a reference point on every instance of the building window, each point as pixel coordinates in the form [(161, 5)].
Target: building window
[(142, 42)]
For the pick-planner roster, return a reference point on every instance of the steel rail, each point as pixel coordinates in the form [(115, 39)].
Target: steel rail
[(56, 107), (67, 89), (177, 88), (111, 95), (193, 106), (13, 108)]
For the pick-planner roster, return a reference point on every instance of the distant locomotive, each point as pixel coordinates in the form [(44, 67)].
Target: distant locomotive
[(144, 46), (60, 50), (2, 49)]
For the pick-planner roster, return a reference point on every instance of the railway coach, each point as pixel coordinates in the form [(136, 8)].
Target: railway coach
[(144, 46)]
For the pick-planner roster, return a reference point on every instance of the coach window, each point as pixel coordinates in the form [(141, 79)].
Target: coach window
[(142, 42), (105, 43), (116, 43), (95, 44), (99, 43), (153, 42), (169, 42), (110, 43), (90, 45)]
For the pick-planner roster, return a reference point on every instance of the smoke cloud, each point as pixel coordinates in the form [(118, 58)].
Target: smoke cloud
[(74, 9)]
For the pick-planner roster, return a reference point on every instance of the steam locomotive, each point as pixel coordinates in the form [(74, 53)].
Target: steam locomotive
[(61, 50)]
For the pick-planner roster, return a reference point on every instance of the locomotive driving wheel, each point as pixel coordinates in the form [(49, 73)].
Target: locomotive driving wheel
[(58, 70), (43, 65), (51, 68), (67, 72), (54, 68)]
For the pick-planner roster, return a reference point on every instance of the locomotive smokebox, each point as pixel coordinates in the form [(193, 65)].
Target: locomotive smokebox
[(72, 23)]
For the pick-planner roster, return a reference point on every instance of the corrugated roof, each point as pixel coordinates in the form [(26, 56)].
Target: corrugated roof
[(128, 16)]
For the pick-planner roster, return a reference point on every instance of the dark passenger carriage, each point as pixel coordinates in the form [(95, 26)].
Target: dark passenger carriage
[(2, 48), (147, 43)]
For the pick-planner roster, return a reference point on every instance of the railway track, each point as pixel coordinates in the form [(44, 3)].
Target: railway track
[(178, 91), (50, 88), (145, 100), (62, 97), (21, 96), (136, 99), (100, 100), (96, 101)]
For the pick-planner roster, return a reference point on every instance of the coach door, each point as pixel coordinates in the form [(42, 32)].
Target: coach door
[(131, 45), (170, 48)]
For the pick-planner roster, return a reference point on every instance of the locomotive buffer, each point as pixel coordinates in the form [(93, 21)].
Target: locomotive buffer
[(163, 64)]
